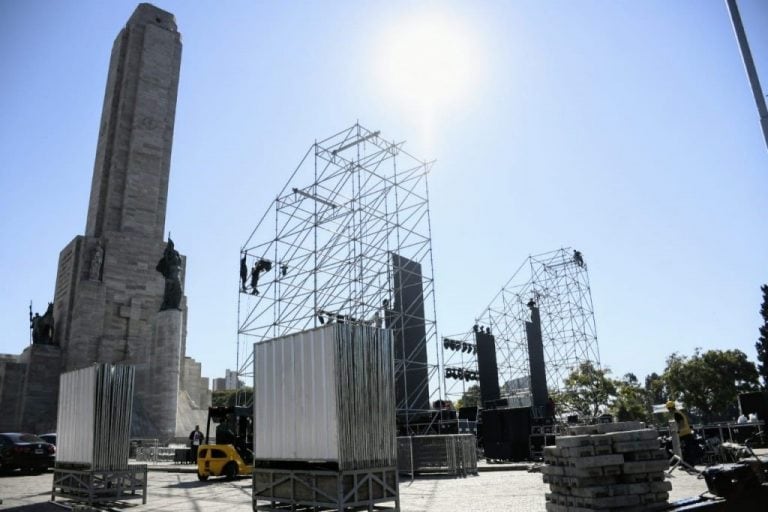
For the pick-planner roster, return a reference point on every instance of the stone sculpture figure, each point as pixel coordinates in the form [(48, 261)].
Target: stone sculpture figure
[(96, 261), (42, 327), (170, 266)]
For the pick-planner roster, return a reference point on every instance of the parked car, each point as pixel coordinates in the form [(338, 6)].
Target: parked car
[(26, 452), (49, 438)]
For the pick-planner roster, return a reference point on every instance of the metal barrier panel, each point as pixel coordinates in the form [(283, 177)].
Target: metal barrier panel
[(75, 418), (455, 454)]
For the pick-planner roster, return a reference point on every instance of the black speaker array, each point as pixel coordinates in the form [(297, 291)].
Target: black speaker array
[(505, 433), (486, 364), (536, 359), (406, 318)]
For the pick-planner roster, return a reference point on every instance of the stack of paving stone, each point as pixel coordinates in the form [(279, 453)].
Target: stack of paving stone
[(612, 466)]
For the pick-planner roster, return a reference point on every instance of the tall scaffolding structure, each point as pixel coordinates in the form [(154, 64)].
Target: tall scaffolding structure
[(558, 282), (328, 248)]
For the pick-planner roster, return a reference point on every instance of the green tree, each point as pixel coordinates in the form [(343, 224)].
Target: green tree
[(708, 383), (227, 397), (631, 400), (470, 398), (762, 341), (587, 391), (655, 389)]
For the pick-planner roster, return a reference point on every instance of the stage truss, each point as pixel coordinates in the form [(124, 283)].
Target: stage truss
[(354, 200), (559, 283)]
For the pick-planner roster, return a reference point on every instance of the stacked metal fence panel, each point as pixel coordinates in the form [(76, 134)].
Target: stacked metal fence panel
[(326, 394), (94, 417), (455, 454), (74, 430)]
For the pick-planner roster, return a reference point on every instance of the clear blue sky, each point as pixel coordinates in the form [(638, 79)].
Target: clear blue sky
[(625, 129)]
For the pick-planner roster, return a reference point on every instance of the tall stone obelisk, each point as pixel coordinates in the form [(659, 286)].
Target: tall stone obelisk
[(108, 292)]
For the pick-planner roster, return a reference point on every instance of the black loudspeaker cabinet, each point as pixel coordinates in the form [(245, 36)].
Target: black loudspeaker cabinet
[(487, 367), (506, 433), (468, 413)]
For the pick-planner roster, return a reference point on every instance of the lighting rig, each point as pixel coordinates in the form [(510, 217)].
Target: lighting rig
[(463, 346), (462, 374)]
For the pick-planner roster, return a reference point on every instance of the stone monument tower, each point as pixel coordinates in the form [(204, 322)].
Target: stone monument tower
[(109, 291)]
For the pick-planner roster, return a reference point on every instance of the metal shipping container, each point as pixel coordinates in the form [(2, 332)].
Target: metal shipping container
[(326, 394)]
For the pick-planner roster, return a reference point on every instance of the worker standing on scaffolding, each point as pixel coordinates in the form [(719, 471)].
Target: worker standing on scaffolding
[(243, 273), (578, 258)]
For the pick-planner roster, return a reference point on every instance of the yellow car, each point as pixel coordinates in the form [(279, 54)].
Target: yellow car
[(220, 460)]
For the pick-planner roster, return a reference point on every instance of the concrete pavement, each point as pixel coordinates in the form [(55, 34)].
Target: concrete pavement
[(490, 491)]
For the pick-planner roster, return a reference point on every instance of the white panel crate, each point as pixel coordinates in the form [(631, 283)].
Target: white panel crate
[(326, 395), (94, 417)]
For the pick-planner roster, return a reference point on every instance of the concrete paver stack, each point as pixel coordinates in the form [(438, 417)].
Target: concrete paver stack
[(613, 466)]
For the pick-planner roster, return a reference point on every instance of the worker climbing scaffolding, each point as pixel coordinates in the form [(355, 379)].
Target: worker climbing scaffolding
[(262, 265)]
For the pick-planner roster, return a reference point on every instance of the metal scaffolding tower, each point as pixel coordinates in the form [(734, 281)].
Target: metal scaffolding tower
[(324, 250), (558, 282)]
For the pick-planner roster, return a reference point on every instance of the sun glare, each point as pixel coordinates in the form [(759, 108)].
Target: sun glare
[(429, 62)]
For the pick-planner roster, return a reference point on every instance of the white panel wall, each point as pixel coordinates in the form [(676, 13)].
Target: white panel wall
[(295, 407), (94, 416), (75, 423)]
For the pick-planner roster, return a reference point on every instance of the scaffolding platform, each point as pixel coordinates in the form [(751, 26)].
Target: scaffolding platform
[(96, 486), (286, 489)]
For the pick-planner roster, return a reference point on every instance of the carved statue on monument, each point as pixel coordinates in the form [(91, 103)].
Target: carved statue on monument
[(42, 326), (96, 260), (170, 266)]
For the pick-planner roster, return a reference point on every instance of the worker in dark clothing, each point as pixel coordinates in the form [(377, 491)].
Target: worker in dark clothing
[(243, 273), (688, 446), (260, 266), (578, 258)]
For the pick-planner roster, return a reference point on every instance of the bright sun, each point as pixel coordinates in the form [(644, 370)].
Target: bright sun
[(428, 62)]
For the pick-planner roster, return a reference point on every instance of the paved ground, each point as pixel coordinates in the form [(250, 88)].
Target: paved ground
[(508, 490)]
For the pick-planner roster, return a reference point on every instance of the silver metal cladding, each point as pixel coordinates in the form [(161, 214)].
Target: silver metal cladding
[(94, 417), (326, 394)]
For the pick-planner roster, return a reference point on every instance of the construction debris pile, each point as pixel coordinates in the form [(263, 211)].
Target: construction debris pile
[(616, 466)]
